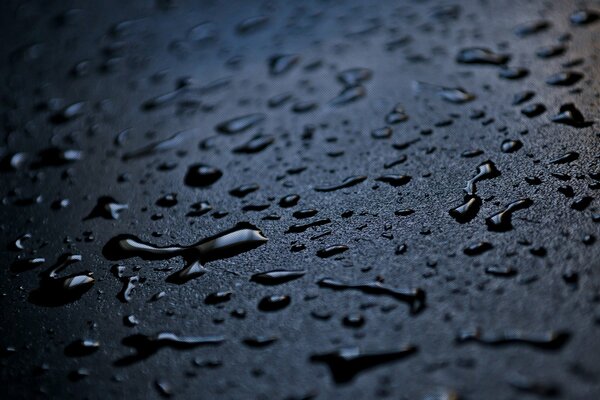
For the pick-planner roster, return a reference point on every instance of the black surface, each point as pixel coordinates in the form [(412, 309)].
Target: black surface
[(553, 284)]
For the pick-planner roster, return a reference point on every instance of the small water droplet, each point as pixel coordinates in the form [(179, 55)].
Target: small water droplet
[(346, 183), (240, 124), (531, 27), (510, 145), (277, 277), (478, 248), (456, 95), (553, 340), (349, 95), (107, 208), (331, 251), (257, 144), (479, 55), (567, 78), (394, 180), (201, 175), (282, 63), (274, 303), (584, 17)]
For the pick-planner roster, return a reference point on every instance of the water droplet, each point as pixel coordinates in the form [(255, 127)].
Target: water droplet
[(485, 170), (68, 113), (56, 291), (397, 115), (476, 249), (130, 320), (467, 211), (107, 208), (522, 97), (504, 272), (217, 297), (201, 33), (346, 183), (349, 95), (163, 387), (274, 303), (298, 228), (565, 158), (396, 162), (582, 203), (584, 17), (161, 146), (405, 145), (14, 161), (331, 251), (27, 264), (353, 320), (394, 180), (81, 348), (414, 297), (18, 244), (531, 27), (279, 100), (243, 237), (471, 153), (277, 276), (513, 73), (130, 283), (240, 124), (257, 144), (244, 190), (256, 207), (456, 95), (533, 110), (162, 100), (479, 55), (404, 213), (345, 363), (201, 175), (551, 51), (146, 345), (354, 76), (510, 146), (553, 340), (56, 157), (200, 208), (502, 221), (167, 201), (533, 180), (78, 374), (282, 63), (251, 24), (570, 115), (567, 78), (382, 133), (541, 389), (306, 213), (289, 201), (567, 191)]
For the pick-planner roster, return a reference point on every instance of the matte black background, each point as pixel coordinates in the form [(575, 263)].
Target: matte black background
[(341, 35)]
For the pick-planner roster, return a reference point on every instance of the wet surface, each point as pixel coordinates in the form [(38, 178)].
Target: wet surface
[(300, 200)]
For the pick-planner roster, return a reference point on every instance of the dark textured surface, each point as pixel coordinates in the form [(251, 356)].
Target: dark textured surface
[(556, 290)]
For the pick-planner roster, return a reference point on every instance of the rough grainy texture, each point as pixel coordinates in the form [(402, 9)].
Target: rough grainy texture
[(534, 293)]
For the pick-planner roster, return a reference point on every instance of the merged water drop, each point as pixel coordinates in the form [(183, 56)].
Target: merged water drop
[(239, 239)]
